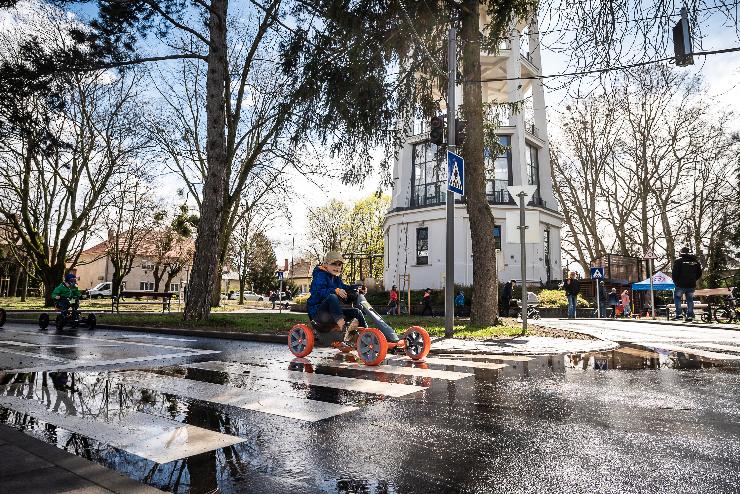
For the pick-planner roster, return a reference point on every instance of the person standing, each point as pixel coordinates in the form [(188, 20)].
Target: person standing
[(602, 298), (572, 287), (427, 303), (459, 303), (506, 295), (686, 272), (393, 301), (613, 300), (626, 303)]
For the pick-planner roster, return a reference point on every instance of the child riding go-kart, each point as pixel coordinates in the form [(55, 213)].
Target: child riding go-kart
[(346, 328), (66, 298)]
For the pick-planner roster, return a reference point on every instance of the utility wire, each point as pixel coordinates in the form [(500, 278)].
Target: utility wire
[(442, 72), (604, 69)]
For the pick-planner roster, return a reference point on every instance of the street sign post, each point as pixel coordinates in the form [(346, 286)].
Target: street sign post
[(451, 132), (520, 193), (597, 274), (280, 292), (649, 255)]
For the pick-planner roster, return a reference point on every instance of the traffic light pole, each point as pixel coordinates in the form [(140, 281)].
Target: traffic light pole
[(450, 251)]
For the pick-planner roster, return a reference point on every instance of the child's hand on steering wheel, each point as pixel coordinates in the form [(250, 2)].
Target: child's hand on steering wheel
[(341, 293), (362, 289)]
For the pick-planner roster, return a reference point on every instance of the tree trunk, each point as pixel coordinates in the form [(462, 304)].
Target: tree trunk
[(51, 278), (484, 310), (205, 261), (24, 290), (216, 291)]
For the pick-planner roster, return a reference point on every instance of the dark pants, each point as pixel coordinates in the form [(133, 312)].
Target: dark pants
[(62, 304), (505, 306), (330, 311), (427, 307), (392, 307)]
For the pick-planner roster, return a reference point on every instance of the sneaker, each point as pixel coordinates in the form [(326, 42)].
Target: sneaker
[(677, 318), (689, 319), (351, 333)]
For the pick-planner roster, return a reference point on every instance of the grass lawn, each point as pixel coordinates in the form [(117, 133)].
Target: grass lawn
[(37, 303), (274, 323)]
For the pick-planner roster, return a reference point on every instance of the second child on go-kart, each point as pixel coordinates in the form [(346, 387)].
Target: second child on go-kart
[(66, 293), (328, 292)]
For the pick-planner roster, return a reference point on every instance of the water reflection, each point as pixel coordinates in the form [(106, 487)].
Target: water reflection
[(633, 357)]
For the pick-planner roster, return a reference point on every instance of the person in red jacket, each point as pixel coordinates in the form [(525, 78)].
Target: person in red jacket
[(393, 302)]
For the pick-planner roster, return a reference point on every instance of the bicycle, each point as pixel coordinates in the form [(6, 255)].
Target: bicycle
[(728, 311)]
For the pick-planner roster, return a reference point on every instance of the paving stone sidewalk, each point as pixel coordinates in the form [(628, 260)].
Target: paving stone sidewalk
[(32, 466), (520, 345)]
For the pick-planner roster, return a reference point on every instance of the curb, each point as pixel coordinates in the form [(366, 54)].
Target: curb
[(654, 321), (606, 345), (224, 335)]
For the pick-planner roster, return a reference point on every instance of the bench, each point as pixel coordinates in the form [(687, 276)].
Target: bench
[(165, 302), (703, 308)]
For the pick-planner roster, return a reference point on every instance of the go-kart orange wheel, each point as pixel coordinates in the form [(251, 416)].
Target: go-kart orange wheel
[(300, 340), (372, 346), (417, 342)]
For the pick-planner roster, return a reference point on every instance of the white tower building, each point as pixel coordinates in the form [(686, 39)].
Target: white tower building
[(415, 224)]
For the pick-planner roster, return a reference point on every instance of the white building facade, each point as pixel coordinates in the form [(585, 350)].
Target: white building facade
[(415, 226)]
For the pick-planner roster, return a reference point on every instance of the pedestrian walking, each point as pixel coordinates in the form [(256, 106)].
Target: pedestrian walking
[(572, 287), (273, 299), (427, 303), (459, 303), (686, 272), (506, 295), (613, 301), (393, 302), (626, 309)]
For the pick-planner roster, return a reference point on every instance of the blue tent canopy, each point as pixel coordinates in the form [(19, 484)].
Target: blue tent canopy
[(661, 281)]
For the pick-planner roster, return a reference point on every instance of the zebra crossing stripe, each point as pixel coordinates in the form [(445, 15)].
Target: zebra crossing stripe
[(337, 382), (34, 355), (154, 438), (456, 362), (78, 364), (408, 371), (284, 406)]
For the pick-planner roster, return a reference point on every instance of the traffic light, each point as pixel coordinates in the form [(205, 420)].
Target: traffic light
[(437, 130), (682, 48), (461, 127)]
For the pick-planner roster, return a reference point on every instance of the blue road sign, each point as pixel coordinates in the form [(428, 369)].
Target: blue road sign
[(280, 275), (455, 173), (597, 273)]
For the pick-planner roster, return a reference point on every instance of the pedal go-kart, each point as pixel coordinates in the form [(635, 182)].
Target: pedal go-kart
[(373, 343), (70, 317)]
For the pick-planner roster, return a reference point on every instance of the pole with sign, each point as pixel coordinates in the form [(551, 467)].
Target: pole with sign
[(280, 292), (451, 191), (597, 274), (649, 255), (520, 193)]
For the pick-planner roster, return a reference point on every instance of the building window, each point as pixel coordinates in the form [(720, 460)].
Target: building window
[(174, 287), (497, 236), (146, 285), (422, 246), (498, 173), (427, 176), (533, 170), (147, 265)]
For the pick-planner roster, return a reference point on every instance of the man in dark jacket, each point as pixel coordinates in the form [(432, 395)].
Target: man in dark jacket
[(506, 295), (686, 272), (572, 287)]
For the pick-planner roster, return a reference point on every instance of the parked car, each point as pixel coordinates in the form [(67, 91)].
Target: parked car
[(249, 296), (104, 289)]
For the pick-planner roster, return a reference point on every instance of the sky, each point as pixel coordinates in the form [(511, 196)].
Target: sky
[(721, 74)]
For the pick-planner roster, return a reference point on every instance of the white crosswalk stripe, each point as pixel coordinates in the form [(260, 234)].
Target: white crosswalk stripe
[(154, 438), (456, 362), (313, 379), (284, 406), (407, 371)]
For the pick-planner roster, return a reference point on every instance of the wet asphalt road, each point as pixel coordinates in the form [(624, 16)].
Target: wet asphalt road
[(257, 420)]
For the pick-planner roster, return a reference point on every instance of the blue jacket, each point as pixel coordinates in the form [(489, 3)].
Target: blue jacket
[(323, 284), (460, 299)]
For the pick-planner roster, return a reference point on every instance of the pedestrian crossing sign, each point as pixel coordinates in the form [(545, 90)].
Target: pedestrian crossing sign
[(455, 173), (597, 273)]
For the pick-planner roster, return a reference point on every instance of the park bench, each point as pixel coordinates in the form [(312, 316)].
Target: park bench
[(163, 299), (703, 309)]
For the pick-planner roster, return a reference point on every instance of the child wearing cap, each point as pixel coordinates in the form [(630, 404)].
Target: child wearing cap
[(328, 291), (65, 292)]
